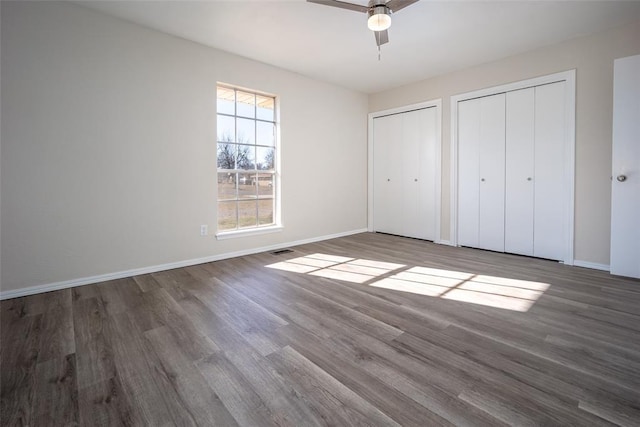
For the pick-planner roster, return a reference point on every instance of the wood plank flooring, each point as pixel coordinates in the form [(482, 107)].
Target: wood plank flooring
[(369, 329)]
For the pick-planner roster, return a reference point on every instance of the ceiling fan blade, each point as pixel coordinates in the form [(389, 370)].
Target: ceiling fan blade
[(382, 37), (341, 5), (396, 5)]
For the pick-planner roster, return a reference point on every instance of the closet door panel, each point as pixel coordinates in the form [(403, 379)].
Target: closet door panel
[(549, 193), (387, 166), (427, 202), (412, 137), (468, 172), (519, 184), (492, 173)]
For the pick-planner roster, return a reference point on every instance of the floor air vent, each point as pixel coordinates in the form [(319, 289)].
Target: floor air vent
[(281, 251)]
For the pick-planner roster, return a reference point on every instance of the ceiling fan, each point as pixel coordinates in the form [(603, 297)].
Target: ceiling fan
[(378, 12)]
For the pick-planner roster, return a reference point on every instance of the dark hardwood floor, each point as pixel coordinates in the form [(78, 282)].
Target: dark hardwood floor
[(363, 330)]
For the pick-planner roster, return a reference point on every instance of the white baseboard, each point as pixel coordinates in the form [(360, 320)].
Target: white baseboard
[(592, 265), (155, 268), (445, 242)]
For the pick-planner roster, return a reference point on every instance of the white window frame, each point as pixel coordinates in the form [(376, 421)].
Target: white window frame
[(277, 223)]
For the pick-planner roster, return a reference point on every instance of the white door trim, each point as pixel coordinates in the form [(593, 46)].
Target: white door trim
[(570, 116), (437, 103)]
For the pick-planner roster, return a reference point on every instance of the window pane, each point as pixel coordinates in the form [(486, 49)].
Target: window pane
[(247, 185), (227, 215), (245, 104), (266, 134), (226, 100), (246, 131), (246, 157), (265, 212), (227, 156), (265, 158), (266, 107), (227, 186), (226, 129), (247, 214), (246, 151), (266, 185)]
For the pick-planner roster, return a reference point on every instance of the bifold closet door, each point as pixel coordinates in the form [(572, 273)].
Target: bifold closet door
[(492, 170), (519, 176), (419, 157), (404, 166), (468, 172), (481, 169), (511, 163), (550, 193), (387, 177)]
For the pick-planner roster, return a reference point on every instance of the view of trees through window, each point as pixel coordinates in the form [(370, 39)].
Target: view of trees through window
[(246, 155)]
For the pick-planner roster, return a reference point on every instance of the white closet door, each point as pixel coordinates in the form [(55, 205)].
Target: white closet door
[(625, 186), (404, 173), (519, 184), (492, 172), (419, 204), (468, 172), (387, 164), (427, 203), (549, 194), (412, 138)]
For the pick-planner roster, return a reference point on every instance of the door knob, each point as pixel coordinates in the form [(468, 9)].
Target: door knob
[(388, 180), (482, 179), (416, 180), (621, 178), (529, 179)]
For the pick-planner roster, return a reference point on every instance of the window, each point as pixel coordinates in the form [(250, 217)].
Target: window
[(247, 150)]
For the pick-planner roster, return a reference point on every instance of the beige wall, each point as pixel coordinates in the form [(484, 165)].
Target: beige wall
[(108, 147), (592, 57)]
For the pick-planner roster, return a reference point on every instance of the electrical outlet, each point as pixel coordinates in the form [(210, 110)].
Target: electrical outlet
[(204, 230)]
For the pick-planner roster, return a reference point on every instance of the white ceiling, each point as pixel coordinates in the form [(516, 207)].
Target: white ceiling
[(426, 39)]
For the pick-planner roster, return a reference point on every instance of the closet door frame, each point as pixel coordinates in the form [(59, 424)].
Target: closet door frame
[(569, 150), (434, 103)]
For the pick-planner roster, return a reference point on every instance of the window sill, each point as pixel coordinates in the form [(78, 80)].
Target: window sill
[(249, 232)]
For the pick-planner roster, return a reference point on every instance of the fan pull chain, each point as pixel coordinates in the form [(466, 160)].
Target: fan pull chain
[(378, 52)]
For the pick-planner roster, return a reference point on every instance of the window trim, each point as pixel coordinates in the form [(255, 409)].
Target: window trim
[(245, 232), (258, 229)]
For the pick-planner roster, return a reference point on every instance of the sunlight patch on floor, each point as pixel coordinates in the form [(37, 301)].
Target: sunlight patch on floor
[(492, 291), (336, 267)]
